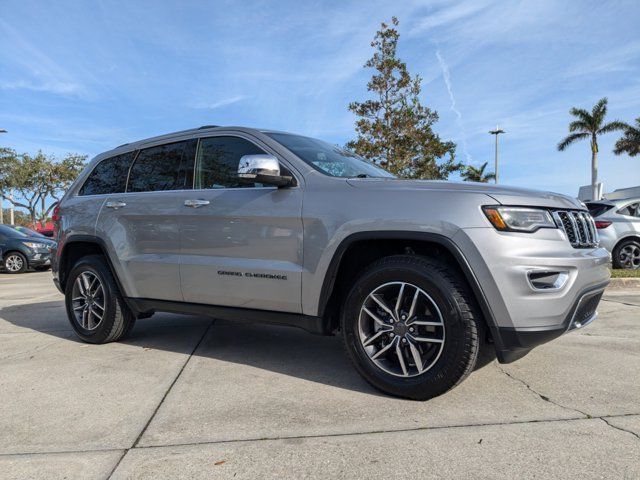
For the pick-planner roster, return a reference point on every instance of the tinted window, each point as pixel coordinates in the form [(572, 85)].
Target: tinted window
[(632, 210), (109, 176), (217, 162), (165, 167)]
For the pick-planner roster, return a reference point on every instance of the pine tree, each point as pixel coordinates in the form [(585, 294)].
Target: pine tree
[(394, 129)]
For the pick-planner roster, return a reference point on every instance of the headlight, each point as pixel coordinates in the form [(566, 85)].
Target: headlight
[(35, 246), (519, 219)]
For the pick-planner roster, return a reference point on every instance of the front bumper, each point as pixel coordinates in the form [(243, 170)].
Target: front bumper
[(517, 342), (39, 259), (524, 316)]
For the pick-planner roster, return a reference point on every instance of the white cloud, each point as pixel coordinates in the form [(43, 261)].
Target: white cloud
[(621, 59), (220, 103), (51, 86), (448, 15), (446, 75)]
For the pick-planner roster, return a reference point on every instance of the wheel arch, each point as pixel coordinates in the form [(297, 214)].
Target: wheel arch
[(631, 236), (76, 247), (349, 258)]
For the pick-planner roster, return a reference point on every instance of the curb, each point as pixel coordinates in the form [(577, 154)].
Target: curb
[(624, 284)]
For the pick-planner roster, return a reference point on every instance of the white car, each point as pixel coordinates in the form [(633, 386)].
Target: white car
[(618, 224)]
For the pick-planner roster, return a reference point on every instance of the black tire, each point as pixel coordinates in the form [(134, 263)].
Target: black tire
[(626, 262), (15, 257), (117, 320), (460, 316), (43, 268)]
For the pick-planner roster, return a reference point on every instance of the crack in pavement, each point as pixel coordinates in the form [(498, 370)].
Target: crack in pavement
[(144, 429), (619, 428), (331, 435), (541, 396), (621, 303)]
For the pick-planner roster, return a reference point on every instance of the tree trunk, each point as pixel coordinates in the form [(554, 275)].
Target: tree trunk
[(594, 169)]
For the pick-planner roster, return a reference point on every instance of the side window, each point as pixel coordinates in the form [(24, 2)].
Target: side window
[(109, 176), (165, 167), (632, 210), (217, 162)]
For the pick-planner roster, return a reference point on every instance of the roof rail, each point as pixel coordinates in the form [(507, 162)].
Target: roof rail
[(207, 126)]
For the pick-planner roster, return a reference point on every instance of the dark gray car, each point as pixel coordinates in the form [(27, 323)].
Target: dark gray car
[(21, 252), (258, 225)]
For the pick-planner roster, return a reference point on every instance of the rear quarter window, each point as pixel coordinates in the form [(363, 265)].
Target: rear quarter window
[(632, 210), (109, 176)]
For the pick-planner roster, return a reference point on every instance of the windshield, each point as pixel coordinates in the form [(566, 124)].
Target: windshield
[(11, 232), (329, 159), (29, 232)]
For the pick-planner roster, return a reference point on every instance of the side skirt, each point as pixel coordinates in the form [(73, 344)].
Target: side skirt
[(312, 324)]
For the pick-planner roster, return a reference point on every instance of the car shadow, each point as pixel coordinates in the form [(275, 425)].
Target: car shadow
[(283, 350)]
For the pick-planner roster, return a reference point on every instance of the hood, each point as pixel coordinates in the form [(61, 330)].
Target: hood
[(45, 241), (501, 194)]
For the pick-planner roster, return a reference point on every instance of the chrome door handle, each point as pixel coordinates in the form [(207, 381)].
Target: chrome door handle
[(196, 203), (115, 205)]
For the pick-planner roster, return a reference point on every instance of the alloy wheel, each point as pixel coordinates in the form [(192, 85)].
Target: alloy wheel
[(13, 263), (401, 329), (88, 300), (630, 256)]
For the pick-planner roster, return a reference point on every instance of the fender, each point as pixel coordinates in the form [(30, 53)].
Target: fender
[(445, 242)]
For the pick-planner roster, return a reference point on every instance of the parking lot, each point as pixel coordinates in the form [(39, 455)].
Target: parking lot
[(189, 397)]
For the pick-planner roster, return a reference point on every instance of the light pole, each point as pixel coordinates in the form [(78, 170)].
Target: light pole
[(2, 130), (496, 132)]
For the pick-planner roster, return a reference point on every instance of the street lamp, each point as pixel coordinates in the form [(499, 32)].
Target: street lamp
[(496, 132)]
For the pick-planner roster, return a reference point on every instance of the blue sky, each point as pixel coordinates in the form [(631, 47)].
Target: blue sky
[(87, 76)]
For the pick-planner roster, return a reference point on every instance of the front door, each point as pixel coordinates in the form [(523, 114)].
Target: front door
[(241, 243)]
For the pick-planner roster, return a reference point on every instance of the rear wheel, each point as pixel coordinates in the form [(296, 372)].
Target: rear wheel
[(411, 326), (95, 307), (15, 262), (627, 255)]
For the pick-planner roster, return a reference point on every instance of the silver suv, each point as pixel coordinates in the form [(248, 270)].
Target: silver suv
[(246, 224), (618, 223)]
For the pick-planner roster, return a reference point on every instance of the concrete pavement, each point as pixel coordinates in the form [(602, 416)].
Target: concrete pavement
[(188, 398)]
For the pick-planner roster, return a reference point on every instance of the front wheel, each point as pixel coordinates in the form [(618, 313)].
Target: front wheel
[(95, 307), (15, 262), (411, 327)]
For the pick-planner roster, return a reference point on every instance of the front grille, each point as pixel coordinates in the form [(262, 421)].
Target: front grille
[(586, 310), (578, 226)]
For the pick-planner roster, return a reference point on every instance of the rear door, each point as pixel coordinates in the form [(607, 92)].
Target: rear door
[(142, 225), (241, 242)]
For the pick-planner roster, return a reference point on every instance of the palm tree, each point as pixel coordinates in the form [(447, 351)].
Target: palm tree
[(630, 141), (589, 126), (476, 174)]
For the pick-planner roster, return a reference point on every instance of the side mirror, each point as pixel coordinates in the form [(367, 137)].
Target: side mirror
[(262, 168)]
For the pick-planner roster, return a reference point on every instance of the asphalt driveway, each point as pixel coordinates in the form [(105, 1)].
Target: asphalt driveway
[(188, 397)]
